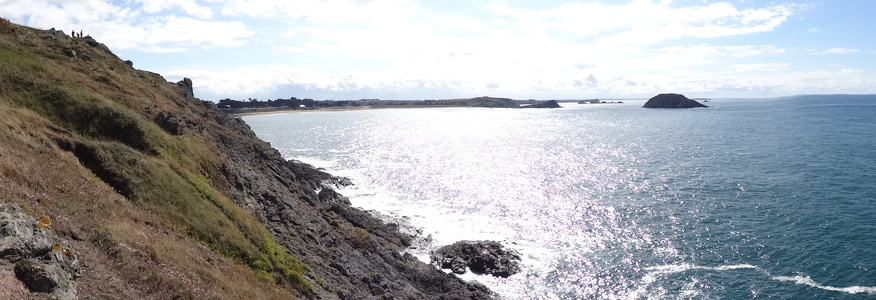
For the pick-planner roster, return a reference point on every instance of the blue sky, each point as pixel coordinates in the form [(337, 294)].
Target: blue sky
[(549, 49)]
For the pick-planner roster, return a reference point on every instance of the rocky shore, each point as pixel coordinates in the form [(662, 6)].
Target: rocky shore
[(157, 194), (352, 253)]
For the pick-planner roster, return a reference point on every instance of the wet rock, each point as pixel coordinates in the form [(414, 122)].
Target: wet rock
[(481, 257), (40, 260), (672, 101), (328, 195)]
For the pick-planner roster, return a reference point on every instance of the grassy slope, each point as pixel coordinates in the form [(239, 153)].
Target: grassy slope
[(78, 144)]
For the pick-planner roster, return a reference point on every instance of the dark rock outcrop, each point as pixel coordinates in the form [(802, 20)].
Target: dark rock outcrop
[(546, 104), (170, 122), (41, 261), (91, 41), (481, 257), (186, 87), (672, 101), (58, 34)]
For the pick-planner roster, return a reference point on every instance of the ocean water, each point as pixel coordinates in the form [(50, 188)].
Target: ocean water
[(751, 198)]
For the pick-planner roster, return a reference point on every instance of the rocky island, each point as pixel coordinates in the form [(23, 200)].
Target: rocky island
[(672, 101), (130, 187)]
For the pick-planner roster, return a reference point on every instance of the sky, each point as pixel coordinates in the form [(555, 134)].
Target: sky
[(522, 49)]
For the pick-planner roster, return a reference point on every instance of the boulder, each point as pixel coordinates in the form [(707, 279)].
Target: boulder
[(58, 34), (672, 101), (481, 257), (37, 258), (91, 41), (170, 122), (329, 195)]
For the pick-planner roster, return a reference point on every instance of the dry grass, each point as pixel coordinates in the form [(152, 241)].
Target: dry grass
[(6, 27), (77, 144)]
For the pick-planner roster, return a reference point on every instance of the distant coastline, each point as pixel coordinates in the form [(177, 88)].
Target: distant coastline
[(254, 106), (289, 110)]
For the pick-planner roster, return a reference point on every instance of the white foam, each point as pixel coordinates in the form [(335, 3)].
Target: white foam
[(655, 272), (806, 280), (316, 162)]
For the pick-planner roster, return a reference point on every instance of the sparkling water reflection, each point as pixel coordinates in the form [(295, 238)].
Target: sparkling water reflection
[(615, 201)]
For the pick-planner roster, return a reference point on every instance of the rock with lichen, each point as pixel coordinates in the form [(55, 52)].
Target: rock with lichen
[(38, 260)]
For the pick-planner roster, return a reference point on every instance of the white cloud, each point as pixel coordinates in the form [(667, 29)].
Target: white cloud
[(576, 48), (838, 51), (190, 7), (242, 80), (60, 13), (170, 34), (765, 67), (145, 28), (645, 22)]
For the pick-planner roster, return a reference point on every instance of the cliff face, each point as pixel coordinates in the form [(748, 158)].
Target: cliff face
[(161, 195)]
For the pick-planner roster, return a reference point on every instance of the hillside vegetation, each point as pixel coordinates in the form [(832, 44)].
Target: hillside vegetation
[(161, 195)]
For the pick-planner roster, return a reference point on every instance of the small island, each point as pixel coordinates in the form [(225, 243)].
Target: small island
[(672, 101)]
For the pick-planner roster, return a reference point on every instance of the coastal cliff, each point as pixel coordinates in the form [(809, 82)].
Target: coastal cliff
[(161, 195)]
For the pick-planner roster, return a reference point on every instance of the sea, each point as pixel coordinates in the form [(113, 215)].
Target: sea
[(747, 199)]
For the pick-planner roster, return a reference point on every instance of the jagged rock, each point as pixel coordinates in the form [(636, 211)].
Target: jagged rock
[(481, 257), (328, 195), (91, 41), (40, 260), (70, 53), (186, 85), (36, 278), (58, 34), (170, 122), (672, 101)]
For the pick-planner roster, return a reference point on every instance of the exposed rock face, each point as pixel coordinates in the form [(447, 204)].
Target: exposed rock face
[(186, 86), (91, 41), (170, 122), (58, 34), (481, 257), (672, 101), (41, 261)]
